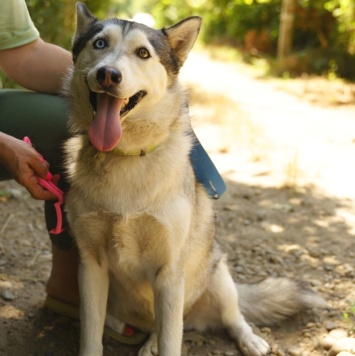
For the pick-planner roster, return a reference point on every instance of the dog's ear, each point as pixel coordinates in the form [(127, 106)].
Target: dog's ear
[(182, 36), (84, 19)]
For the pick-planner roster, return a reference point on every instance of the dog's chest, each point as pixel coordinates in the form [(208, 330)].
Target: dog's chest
[(137, 246)]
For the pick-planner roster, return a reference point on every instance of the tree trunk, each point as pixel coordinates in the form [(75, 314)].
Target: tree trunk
[(285, 31)]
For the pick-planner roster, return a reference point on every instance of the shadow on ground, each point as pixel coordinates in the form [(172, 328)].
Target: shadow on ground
[(265, 231)]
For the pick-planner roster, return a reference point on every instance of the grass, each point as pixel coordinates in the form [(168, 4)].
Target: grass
[(349, 315), (292, 173)]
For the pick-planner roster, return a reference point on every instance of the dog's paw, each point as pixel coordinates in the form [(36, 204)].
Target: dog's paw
[(254, 345), (150, 348)]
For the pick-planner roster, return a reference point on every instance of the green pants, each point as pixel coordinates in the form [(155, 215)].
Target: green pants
[(43, 118)]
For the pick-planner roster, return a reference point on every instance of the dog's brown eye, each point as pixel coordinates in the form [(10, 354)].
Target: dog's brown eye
[(143, 53)]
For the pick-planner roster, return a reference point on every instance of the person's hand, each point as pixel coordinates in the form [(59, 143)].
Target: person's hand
[(24, 164)]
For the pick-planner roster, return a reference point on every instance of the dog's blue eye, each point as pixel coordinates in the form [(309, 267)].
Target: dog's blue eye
[(143, 53), (100, 43)]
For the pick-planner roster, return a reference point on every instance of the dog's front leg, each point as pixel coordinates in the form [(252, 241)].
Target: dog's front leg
[(94, 284), (168, 306)]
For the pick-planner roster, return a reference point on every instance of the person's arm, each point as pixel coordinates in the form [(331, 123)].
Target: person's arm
[(41, 67), (38, 66)]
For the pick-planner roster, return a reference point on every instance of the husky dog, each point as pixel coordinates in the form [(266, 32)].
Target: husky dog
[(143, 225)]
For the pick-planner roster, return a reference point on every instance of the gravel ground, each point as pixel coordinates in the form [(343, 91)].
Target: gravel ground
[(287, 156)]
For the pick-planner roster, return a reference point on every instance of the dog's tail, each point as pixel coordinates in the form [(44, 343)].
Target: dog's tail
[(276, 299)]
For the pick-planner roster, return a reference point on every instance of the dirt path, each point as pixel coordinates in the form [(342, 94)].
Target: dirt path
[(289, 211)]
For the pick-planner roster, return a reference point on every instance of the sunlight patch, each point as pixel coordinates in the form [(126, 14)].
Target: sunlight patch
[(10, 312)]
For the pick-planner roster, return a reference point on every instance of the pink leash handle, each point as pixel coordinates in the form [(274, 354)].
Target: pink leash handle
[(50, 186)]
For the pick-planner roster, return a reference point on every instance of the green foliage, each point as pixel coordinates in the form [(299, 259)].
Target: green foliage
[(54, 19), (344, 12), (323, 37), (349, 315), (232, 19), (168, 12), (323, 40)]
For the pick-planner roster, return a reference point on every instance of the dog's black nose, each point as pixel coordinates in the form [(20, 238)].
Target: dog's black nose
[(108, 76)]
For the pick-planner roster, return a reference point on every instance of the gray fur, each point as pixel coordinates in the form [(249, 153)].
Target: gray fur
[(275, 299)]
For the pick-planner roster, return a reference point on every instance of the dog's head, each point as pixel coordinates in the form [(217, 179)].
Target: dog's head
[(125, 65)]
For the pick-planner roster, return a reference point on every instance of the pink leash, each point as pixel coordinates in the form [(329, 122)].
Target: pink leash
[(50, 186)]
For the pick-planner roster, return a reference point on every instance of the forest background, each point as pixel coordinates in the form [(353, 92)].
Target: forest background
[(291, 37), (320, 36)]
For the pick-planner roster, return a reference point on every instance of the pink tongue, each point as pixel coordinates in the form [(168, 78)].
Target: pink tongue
[(105, 131)]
